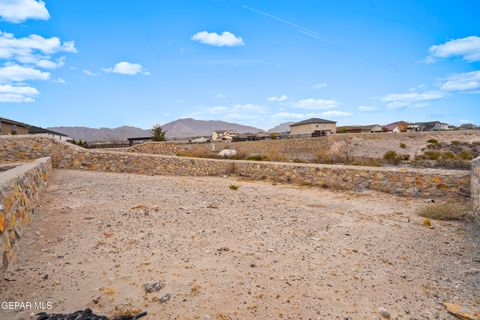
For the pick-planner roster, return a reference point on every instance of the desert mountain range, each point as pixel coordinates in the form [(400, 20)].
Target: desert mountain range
[(176, 129)]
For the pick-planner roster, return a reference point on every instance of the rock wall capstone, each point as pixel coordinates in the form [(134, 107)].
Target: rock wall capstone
[(164, 148), (19, 190), (399, 181)]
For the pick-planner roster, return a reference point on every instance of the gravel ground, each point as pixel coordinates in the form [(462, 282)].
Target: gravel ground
[(260, 252)]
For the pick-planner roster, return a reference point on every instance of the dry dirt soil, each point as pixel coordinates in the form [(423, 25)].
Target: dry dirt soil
[(260, 252)]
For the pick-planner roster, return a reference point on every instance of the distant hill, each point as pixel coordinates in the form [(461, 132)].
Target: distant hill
[(180, 128), (102, 134), (282, 127), (190, 127)]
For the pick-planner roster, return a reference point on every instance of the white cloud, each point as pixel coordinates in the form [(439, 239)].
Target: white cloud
[(319, 85), (226, 39), (219, 96), (236, 112), (127, 68), (281, 98), (90, 73), (20, 73), (468, 82), (288, 115), (252, 108), (33, 48), (17, 11), (9, 93), (299, 116), (59, 80), (316, 104), (49, 64), (468, 48), (367, 108), (335, 113), (411, 99)]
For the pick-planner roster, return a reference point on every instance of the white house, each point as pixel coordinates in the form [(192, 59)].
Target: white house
[(222, 135)]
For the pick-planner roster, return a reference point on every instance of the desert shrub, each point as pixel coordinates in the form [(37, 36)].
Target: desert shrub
[(274, 155), (434, 141), (257, 158), (434, 155), (233, 187), (420, 157), (455, 142), (299, 161), (446, 210), (392, 157), (367, 162), (403, 145), (465, 155), (448, 155), (197, 154), (427, 222), (455, 164)]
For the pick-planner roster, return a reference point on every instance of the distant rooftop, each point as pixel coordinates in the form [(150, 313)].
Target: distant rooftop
[(311, 120), (37, 130)]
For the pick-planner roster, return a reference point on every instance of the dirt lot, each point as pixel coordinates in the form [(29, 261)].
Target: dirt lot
[(260, 252)]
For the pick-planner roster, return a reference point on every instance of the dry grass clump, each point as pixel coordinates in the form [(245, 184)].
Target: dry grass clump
[(197, 154), (447, 211), (427, 222), (233, 187), (393, 158)]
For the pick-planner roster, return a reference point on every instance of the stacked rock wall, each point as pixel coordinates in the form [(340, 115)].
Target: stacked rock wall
[(19, 189), (399, 181), (475, 190)]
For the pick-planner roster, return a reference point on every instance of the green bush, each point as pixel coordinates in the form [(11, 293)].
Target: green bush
[(392, 157), (434, 155), (403, 145), (233, 187), (256, 158), (434, 141), (455, 164), (465, 155), (448, 155), (299, 161), (455, 142)]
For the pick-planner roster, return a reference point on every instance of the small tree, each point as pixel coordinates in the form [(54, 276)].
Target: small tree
[(158, 134)]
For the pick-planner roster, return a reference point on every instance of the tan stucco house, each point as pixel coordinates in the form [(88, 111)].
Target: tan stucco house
[(8, 126), (315, 127), (219, 135)]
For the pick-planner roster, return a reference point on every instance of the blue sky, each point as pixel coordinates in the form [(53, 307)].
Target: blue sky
[(111, 63)]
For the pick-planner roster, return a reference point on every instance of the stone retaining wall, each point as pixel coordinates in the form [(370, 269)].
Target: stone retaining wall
[(19, 189), (340, 146), (399, 181), (151, 147), (475, 190), (164, 148)]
